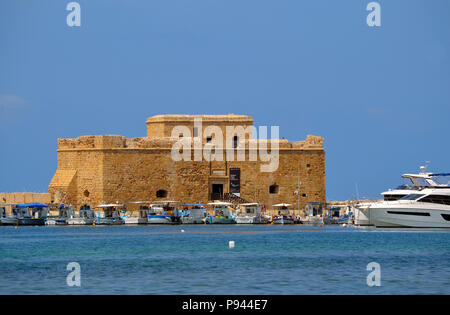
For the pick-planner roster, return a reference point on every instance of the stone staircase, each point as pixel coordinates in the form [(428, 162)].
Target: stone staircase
[(232, 198)]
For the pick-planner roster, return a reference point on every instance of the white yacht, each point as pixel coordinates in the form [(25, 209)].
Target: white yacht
[(426, 208), (412, 183)]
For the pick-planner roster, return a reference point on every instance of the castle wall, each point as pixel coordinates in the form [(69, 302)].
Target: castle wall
[(108, 168)]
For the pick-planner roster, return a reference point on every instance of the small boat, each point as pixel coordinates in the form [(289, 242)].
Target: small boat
[(64, 214), (110, 215), (250, 213), (128, 217), (164, 212), (283, 216), (26, 214), (314, 214), (221, 215), (86, 216), (2, 214), (193, 214), (336, 215)]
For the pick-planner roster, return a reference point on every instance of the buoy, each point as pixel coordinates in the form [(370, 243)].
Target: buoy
[(344, 225), (182, 231), (15, 227), (231, 244)]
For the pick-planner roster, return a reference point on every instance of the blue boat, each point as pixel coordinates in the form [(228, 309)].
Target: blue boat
[(165, 212), (26, 214), (221, 215)]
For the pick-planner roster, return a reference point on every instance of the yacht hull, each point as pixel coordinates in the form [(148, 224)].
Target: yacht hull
[(414, 215)]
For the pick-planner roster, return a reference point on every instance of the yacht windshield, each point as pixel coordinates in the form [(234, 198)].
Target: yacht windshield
[(412, 197), (441, 179)]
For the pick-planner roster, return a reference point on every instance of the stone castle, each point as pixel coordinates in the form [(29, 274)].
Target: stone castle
[(110, 168)]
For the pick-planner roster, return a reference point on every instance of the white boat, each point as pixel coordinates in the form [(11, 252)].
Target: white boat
[(64, 214), (283, 216), (412, 183), (110, 214), (221, 214), (164, 212), (314, 214), (250, 213), (426, 208), (193, 214), (142, 218), (86, 216)]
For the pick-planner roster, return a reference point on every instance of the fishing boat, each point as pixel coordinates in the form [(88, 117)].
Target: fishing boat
[(336, 214), (313, 214), (164, 212), (110, 214), (2, 214), (86, 216), (26, 214), (142, 218), (283, 216), (64, 214), (250, 213), (221, 214), (193, 213)]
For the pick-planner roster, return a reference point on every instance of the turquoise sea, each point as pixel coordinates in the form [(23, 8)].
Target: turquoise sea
[(268, 259)]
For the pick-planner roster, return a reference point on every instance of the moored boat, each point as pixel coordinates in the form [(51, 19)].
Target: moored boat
[(250, 213), (85, 216), (164, 212), (110, 214), (193, 214), (26, 214), (142, 217), (283, 216), (221, 214)]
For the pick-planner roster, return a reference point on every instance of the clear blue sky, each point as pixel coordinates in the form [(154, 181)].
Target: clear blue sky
[(379, 97)]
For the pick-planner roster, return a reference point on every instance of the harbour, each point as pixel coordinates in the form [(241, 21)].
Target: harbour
[(266, 259)]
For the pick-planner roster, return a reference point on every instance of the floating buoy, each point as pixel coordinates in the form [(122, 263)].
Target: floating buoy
[(344, 225), (231, 244), (15, 227)]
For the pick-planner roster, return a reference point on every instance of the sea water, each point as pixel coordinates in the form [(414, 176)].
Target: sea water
[(266, 259)]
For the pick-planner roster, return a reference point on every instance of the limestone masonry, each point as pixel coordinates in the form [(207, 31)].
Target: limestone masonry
[(110, 168)]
